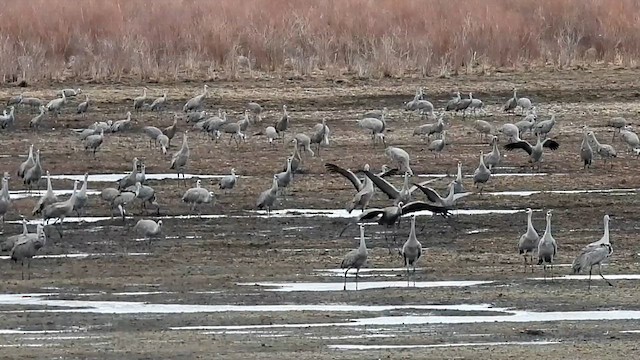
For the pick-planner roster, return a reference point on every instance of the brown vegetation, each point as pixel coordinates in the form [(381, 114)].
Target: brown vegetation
[(178, 39)]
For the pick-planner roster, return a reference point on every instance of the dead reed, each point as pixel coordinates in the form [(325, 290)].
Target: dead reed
[(177, 39)]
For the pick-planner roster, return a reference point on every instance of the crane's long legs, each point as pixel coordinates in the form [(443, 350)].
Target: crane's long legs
[(345, 279), (602, 276), (357, 271)]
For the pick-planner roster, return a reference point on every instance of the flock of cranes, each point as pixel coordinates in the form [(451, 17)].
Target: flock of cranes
[(133, 186)]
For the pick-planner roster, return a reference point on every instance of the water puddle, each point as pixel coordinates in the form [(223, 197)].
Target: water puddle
[(362, 285), (79, 255), (117, 177), (595, 277), (449, 345), (341, 213), (494, 175), (565, 192), (22, 194)]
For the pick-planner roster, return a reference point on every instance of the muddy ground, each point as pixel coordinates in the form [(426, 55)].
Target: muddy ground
[(202, 260)]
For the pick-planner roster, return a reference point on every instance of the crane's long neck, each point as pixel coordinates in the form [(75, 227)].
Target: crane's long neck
[(585, 140), (274, 186), (548, 229), (606, 232), (25, 230), (5, 189), (459, 176), (529, 222), (49, 187), (412, 234), (363, 245), (405, 185), (31, 152)]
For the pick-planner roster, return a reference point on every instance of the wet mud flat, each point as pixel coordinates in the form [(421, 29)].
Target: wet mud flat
[(236, 283)]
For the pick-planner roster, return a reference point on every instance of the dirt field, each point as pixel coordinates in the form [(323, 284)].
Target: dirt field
[(203, 261)]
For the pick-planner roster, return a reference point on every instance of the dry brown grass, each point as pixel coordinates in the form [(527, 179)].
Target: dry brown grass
[(177, 39)]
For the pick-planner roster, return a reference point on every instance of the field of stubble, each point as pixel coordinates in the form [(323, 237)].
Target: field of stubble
[(112, 291)]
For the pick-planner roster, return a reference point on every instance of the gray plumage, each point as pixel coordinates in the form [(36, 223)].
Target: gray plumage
[(376, 114), (48, 198), (255, 108), (141, 176), (547, 248), (412, 249), (528, 123), (594, 254), (437, 145), (181, 157), (146, 194), (375, 126), (159, 103), (61, 209), (131, 178), (27, 247), (510, 131), (15, 100), (122, 125), (123, 199), (449, 201), (320, 134), (617, 123), (605, 151), (629, 137), (5, 198), (586, 152), (196, 102), (511, 104), (355, 259), (271, 134), (463, 105), (483, 127), (235, 132), (430, 129), (476, 105), (163, 140), (36, 120), (535, 151), (286, 177), (453, 103), (304, 142), (457, 183), (152, 132), (93, 142), (148, 228), (267, 198), (55, 105), (400, 158), (196, 116), (524, 104), (365, 189), (31, 101), (528, 242), (228, 182), (28, 163), (139, 101), (8, 120), (83, 107), (33, 174), (197, 196), (170, 131), (109, 194), (544, 127), (481, 175), (70, 92), (493, 159), (282, 125), (81, 199), (11, 240)]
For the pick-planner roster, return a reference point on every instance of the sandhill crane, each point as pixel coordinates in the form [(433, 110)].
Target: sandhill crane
[(457, 183), (123, 199), (528, 123), (131, 178), (482, 174), (181, 158), (586, 152), (33, 174), (285, 178), (296, 158), (83, 106), (5, 199), (377, 114), (375, 126), (234, 131), (267, 198), (61, 209), (535, 151), (15, 100), (228, 182), (48, 198), (437, 145), (81, 198), (196, 116), (483, 127), (304, 141), (630, 137), (320, 134), (430, 129), (139, 101), (170, 131), (27, 247), (594, 254), (198, 195), (449, 201), (364, 188), (244, 122), (476, 105), (524, 104), (271, 134), (146, 194), (141, 176), (510, 131), (93, 142), (196, 102), (31, 101), (412, 249), (544, 127), (70, 92), (282, 125), (102, 125), (8, 120), (400, 158), (463, 105), (163, 140), (255, 108), (511, 104), (453, 103), (355, 259), (617, 123), (36, 120), (159, 103), (402, 195), (55, 105), (528, 242), (27, 164), (122, 125), (10, 241), (547, 248), (493, 159), (605, 151), (152, 132), (108, 195), (148, 228)]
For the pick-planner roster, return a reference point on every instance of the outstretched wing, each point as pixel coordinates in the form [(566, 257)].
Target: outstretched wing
[(383, 185), (421, 205), (370, 214), (551, 144), (333, 168), (519, 145), (431, 194)]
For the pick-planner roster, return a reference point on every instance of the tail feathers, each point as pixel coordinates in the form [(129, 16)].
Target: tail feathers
[(543, 259)]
